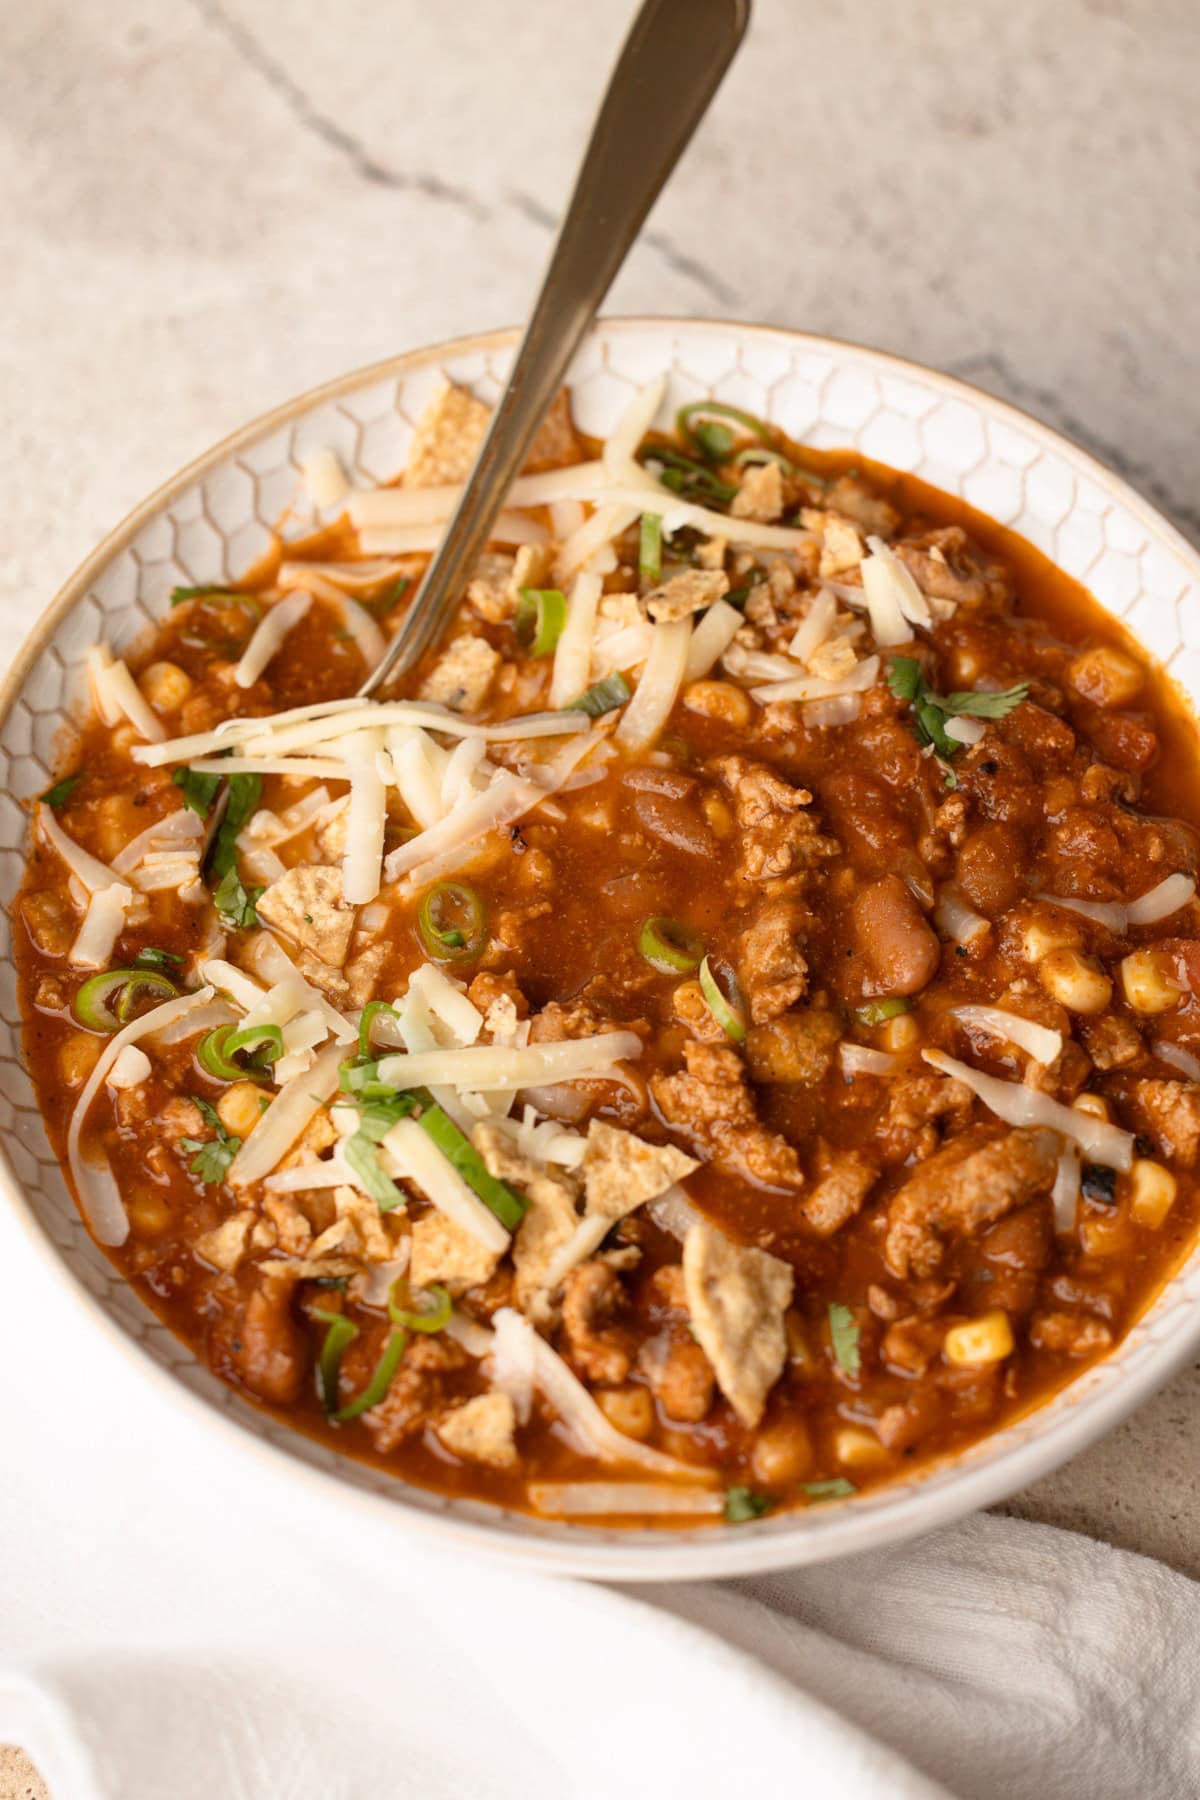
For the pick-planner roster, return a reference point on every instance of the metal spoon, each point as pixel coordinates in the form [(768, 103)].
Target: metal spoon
[(670, 68)]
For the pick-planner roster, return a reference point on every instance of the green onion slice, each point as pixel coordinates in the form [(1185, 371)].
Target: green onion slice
[(338, 1339), (426, 1309), (602, 697), (262, 1043), (151, 958), (370, 1013), (452, 922), (876, 1011), (743, 1504), (843, 1335), (650, 549), (106, 1002), (670, 947), (761, 453), (540, 617), (210, 1054), (509, 1206), (362, 1156), (245, 792), (730, 1014), (381, 1379), (715, 441), (836, 1489)]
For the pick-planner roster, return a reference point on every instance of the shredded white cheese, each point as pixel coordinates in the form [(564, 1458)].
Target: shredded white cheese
[(268, 637), (324, 477), (102, 925), (366, 819), (1022, 1107), (285, 1118), (421, 1162), (492, 1067), (130, 1069), (1038, 1041), (658, 686)]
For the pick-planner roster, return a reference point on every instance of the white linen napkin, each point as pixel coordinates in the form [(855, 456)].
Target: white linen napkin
[(180, 1620)]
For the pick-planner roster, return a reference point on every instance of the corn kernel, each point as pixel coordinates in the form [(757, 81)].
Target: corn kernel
[(783, 1453), (165, 685), (240, 1108), (629, 1409), (1105, 677), (1075, 982), (988, 1339), (77, 1057), (1095, 1105), (1105, 1236), (1148, 982), (857, 1449), (719, 700), (716, 811), (900, 1033), (149, 1214), (1153, 1191), (1041, 936)]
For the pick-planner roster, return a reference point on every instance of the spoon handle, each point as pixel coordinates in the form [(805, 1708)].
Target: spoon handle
[(671, 66)]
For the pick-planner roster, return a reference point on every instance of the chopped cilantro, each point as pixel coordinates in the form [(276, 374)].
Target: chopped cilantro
[(236, 903), (931, 710), (150, 958), (212, 1155), (245, 792), (61, 792), (843, 1332), (742, 1503), (199, 789)]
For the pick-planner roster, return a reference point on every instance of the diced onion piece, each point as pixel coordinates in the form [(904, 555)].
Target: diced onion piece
[(298, 1101), (205, 1018), (130, 1069), (102, 925), (269, 635), (325, 480), (1178, 1058), (953, 916), (658, 685), (95, 1188), (95, 875), (673, 1212), (586, 1427), (447, 1001), (618, 1499), (573, 652), (1038, 1041), (965, 730), (373, 1287), (400, 540), (475, 1339), (354, 577), (711, 638), (860, 1059), (116, 694), (843, 709), (1158, 903), (816, 626), (366, 819), (1064, 1195), (1024, 1107), (420, 1161), (178, 828), (624, 649), (493, 1067), (620, 463)]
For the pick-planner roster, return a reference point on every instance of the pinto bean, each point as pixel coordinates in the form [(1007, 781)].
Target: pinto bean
[(271, 1353), (990, 868), (677, 822), (901, 952)]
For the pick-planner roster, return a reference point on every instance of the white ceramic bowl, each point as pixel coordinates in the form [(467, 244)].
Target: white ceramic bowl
[(212, 520)]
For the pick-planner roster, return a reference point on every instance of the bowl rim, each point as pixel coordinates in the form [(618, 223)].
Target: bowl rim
[(674, 1554)]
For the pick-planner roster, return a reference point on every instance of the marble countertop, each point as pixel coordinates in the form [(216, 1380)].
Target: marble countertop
[(214, 204)]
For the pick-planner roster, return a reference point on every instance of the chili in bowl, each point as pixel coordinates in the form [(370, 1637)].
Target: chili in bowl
[(721, 1041)]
